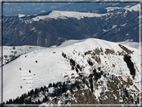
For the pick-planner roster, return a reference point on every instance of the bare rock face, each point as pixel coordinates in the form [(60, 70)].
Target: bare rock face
[(108, 88)]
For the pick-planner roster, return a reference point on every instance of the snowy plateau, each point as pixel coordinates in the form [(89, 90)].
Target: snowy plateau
[(94, 71), (68, 14)]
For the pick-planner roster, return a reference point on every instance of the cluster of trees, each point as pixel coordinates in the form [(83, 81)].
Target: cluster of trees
[(72, 62), (64, 55), (11, 57), (90, 62), (128, 99), (96, 75), (27, 98), (130, 65), (91, 84), (74, 65), (59, 88)]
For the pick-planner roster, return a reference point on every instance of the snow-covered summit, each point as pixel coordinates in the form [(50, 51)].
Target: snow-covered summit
[(112, 8), (67, 14), (21, 15), (128, 8), (133, 8)]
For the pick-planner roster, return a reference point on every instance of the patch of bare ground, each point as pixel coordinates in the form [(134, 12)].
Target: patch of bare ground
[(126, 83), (47, 19), (98, 51), (113, 65), (97, 59), (109, 51), (72, 74), (84, 97), (134, 92), (126, 49), (118, 92), (65, 76), (121, 53), (95, 54), (73, 77), (112, 97), (129, 81), (88, 52)]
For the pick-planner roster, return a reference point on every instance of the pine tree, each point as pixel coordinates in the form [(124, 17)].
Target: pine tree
[(50, 85), (36, 91), (47, 90), (58, 92), (54, 85), (91, 84), (10, 101), (41, 89), (76, 70), (72, 62), (44, 87), (64, 88)]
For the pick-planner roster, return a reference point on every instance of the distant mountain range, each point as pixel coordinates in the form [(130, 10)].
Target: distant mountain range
[(54, 27)]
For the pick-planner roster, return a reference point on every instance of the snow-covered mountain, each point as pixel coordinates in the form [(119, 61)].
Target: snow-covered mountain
[(12, 52), (67, 14), (100, 67), (127, 8), (79, 15)]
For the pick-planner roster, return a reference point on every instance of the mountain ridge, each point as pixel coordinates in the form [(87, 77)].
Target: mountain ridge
[(115, 27)]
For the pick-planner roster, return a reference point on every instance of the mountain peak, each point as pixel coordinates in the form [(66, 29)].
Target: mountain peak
[(21, 15)]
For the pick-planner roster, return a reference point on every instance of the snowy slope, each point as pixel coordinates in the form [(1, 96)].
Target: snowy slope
[(16, 51), (129, 8), (131, 44), (133, 8), (21, 15), (112, 8), (67, 14), (47, 65)]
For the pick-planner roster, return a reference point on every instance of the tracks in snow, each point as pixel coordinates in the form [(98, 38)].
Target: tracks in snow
[(30, 79), (27, 78)]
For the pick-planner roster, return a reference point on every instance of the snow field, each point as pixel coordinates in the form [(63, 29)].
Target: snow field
[(67, 14)]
